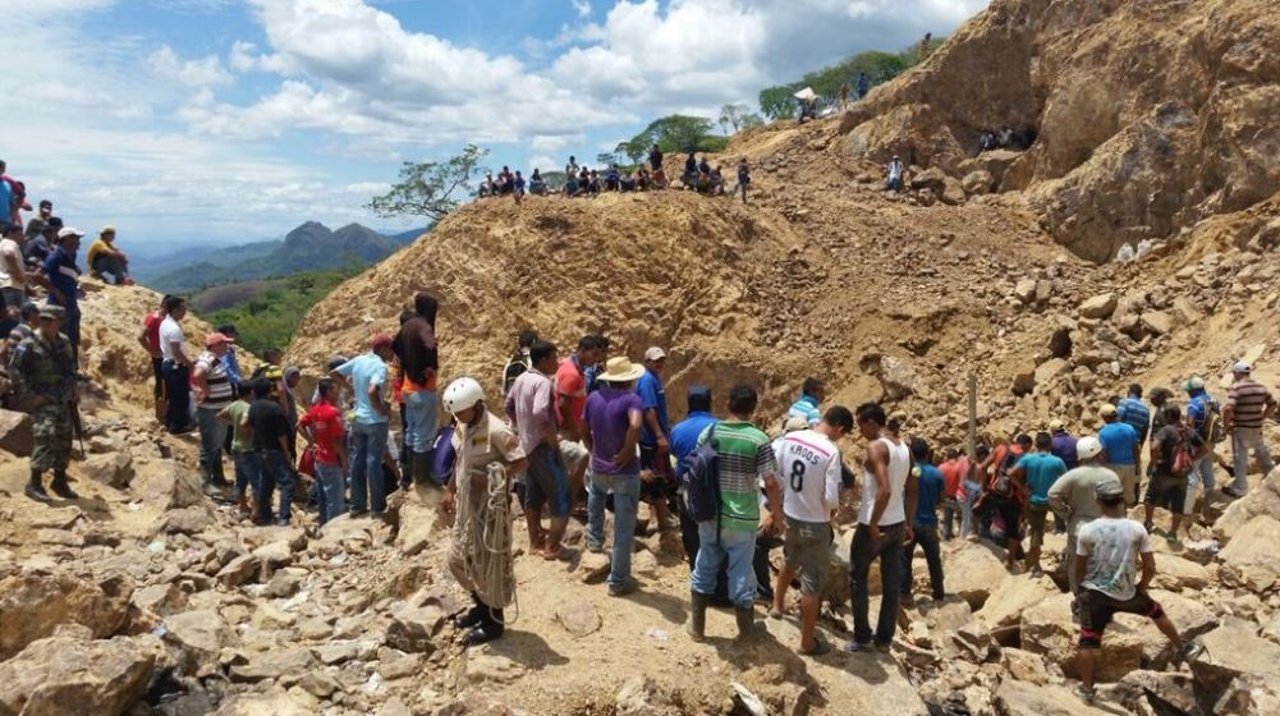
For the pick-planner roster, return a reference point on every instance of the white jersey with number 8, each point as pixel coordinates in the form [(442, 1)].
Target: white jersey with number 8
[(809, 470)]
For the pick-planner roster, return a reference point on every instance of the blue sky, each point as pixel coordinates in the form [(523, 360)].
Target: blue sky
[(186, 121)]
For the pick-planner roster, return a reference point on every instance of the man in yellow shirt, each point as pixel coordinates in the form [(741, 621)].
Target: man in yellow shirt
[(105, 258)]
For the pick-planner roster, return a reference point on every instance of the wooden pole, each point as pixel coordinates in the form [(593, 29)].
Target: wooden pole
[(973, 415)]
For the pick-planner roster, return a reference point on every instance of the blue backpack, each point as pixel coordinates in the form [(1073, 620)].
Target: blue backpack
[(700, 476), (443, 455)]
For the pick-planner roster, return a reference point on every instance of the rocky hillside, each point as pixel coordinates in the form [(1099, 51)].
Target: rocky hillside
[(1150, 115)]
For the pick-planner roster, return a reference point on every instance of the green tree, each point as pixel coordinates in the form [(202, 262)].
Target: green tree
[(777, 102), (732, 117), (636, 149), (752, 120), (677, 133), (428, 188), (606, 158)]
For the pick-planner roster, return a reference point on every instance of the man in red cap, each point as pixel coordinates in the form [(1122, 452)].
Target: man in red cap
[(366, 377)]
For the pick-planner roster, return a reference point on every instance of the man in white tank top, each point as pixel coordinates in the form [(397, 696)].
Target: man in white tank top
[(888, 496)]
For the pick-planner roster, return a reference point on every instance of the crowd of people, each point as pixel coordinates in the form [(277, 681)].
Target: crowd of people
[(582, 181)]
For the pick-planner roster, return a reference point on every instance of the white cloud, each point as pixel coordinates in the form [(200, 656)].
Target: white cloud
[(583, 8), (204, 72)]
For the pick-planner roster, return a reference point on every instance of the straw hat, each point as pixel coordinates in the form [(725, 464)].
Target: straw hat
[(620, 369)]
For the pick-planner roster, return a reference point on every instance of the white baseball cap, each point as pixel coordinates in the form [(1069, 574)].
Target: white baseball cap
[(1088, 448), (1242, 367), (69, 231), (654, 353)]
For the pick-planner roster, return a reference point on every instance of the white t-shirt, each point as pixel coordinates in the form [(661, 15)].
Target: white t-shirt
[(809, 467), (10, 251), (170, 333), (899, 468), (1112, 546)]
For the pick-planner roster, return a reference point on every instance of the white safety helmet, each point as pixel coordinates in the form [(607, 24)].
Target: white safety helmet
[(461, 394), (1088, 448)]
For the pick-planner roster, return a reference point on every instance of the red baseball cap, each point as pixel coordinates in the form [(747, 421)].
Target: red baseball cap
[(381, 340)]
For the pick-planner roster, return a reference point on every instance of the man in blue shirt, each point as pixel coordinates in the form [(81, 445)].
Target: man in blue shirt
[(930, 489), (812, 393), (1039, 470), (1133, 411), (1120, 441), (655, 446), (684, 441), (64, 279), (366, 377), (1202, 413)]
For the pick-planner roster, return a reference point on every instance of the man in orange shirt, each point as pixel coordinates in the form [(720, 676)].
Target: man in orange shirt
[(415, 346), (953, 492)]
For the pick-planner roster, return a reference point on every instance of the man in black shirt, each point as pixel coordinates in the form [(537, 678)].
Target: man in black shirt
[(271, 440), (1168, 484)]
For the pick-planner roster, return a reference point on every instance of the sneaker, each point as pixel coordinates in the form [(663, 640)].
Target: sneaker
[(595, 548), (63, 490), (624, 589), (37, 493), (1191, 651), (1085, 694), (357, 513), (858, 647)]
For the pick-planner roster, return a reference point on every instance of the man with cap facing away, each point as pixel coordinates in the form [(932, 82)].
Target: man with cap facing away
[(655, 440), (1074, 496), (366, 377), (64, 283), (1249, 403), (1122, 445), (105, 258), (44, 375), (1107, 551)]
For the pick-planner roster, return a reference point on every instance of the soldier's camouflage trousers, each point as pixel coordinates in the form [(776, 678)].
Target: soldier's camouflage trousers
[(51, 428)]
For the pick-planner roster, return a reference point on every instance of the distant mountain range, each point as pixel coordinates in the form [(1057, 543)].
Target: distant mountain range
[(310, 247)]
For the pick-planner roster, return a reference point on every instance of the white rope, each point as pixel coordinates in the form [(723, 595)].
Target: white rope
[(495, 576)]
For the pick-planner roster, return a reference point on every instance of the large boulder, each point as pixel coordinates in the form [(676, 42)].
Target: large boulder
[(974, 571), (70, 675), (1047, 629), (198, 637), (112, 469), (1013, 594), (33, 606), (15, 433), (1235, 650), (1252, 558), (1262, 500), (413, 629), (1099, 307), (1024, 698)]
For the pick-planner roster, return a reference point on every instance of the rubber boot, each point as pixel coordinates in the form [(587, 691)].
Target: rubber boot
[(748, 629), (60, 486), (697, 624), (421, 465), (35, 488)]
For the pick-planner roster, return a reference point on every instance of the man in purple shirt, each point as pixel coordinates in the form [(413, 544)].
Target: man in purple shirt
[(531, 407), (612, 422)]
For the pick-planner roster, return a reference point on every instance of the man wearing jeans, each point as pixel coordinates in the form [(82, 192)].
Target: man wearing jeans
[(611, 429), (1202, 413), (416, 347), (745, 459), (271, 440), (930, 488), (322, 428), (530, 406), (176, 367), (366, 376), (888, 496), (1248, 405)]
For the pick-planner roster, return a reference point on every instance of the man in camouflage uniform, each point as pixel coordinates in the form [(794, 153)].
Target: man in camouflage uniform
[(44, 374)]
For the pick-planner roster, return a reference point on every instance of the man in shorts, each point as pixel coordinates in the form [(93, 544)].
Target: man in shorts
[(811, 470), (1107, 551), (1038, 470), (530, 405), (1168, 485)]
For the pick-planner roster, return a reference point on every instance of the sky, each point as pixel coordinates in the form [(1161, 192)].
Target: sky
[(219, 121)]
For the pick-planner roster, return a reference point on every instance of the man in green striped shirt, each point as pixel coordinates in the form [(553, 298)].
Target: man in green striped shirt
[(746, 460)]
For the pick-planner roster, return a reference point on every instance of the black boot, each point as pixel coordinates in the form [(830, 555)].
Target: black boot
[(420, 465), (697, 624), (60, 486), (748, 629), (490, 628), (473, 616), (35, 488)]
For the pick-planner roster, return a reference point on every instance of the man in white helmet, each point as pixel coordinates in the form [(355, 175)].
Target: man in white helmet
[(1075, 497), (488, 456)]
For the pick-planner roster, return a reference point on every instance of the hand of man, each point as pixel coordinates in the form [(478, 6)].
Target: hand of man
[(448, 502), (910, 534), (874, 532), (768, 526)]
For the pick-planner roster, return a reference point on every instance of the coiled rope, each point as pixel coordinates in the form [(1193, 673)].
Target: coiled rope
[(495, 579)]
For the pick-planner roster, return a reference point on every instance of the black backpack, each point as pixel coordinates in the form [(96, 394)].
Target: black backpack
[(700, 476)]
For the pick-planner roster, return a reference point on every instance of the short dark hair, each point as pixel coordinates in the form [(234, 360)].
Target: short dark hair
[(244, 390), (812, 385), (919, 449), (1044, 441), (406, 315), (261, 388), (699, 399), (272, 355), (743, 399), (1023, 439), (838, 416), (587, 343), (872, 412), (1172, 414), (981, 450), (1135, 390), (1112, 501), (527, 338), (324, 387), (540, 351), (426, 305), (173, 303), (228, 329)]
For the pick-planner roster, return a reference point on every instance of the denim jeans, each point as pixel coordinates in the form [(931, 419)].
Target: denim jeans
[(1244, 440), (626, 501), (927, 538), (951, 512), (332, 500), (367, 488), (971, 492), (862, 552), (213, 433), (1201, 475), (248, 473), (276, 471), (420, 420), (739, 547), (177, 388)]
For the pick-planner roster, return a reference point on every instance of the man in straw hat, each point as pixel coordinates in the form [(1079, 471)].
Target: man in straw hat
[(612, 425), (488, 455)]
